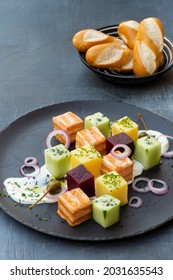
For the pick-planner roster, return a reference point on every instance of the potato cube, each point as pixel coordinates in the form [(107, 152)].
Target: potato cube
[(126, 125), (89, 157), (113, 184)]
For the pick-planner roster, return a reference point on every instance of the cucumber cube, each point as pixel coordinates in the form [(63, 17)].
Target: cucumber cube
[(147, 151), (100, 121), (106, 210), (57, 160)]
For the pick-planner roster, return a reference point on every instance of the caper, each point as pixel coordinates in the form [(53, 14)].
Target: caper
[(142, 134), (54, 186)]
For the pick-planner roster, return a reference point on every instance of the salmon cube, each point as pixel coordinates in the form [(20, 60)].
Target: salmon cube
[(69, 122), (123, 166), (74, 206), (91, 136)]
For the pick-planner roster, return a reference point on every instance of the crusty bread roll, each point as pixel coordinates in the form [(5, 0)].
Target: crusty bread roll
[(107, 56), (84, 39), (148, 47), (127, 31)]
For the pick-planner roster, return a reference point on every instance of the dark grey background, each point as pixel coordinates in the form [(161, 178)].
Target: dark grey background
[(39, 66)]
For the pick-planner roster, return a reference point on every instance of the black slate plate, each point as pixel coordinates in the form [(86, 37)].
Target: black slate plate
[(26, 136), (117, 77)]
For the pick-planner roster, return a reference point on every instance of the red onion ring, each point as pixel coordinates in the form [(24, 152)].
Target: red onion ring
[(137, 204), (141, 190), (30, 161), (127, 151), (155, 190), (168, 154), (54, 197), (55, 132), (33, 174)]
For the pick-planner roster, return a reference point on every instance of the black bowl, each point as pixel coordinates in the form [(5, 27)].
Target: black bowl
[(130, 78)]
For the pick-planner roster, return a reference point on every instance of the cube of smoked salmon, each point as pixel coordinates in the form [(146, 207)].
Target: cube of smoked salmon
[(74, 206), (91, 136), (69, 122), (89, 157), (123, 166)]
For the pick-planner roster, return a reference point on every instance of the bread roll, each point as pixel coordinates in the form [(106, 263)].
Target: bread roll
[(87, 38), (148, 47), (110, 55), (126, 68), (127, 30)]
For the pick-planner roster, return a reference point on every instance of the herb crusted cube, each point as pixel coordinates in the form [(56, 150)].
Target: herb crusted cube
[(100, 121), (147, 151), (89, 157), (113, 184), (57, 160), (106, 210), (126, 125)]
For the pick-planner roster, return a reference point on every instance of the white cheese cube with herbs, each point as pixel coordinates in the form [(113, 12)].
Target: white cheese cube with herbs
[(106, 210), (126, 125), (100, 121), (57, 160), (147, 151)]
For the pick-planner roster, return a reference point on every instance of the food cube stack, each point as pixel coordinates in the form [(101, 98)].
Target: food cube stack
[(74, 206), (93, 170)]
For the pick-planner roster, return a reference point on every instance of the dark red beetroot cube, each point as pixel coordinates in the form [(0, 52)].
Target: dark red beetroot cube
[(120, 138), (80, 177)]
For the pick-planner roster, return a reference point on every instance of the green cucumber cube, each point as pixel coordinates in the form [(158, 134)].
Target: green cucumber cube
[(106, 210), (57, 160), (147, 151), (100, 121)]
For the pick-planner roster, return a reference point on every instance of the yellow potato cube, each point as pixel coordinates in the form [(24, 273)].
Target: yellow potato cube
[(126, 125), (89, 157), (114, 184)]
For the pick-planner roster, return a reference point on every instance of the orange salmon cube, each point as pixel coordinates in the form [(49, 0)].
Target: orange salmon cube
[(122, 166), (91, 136), (69, 122)]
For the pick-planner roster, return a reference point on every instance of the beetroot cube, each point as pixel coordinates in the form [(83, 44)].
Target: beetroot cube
[(80, 177), (120, 138)]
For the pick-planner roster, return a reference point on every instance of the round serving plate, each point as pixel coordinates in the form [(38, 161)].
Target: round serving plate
[(26, 137)]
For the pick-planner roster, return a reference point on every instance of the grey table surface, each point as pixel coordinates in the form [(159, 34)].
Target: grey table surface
[(38, 67)]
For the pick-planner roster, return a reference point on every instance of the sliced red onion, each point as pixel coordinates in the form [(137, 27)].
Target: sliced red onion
[(163, 190), (33, 174), (136, 204), (30, 161), (55, 132), (168, 154), (141, 190), (120, 155), (54, 197)]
